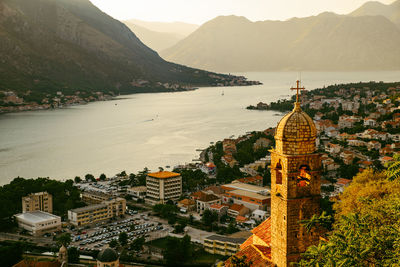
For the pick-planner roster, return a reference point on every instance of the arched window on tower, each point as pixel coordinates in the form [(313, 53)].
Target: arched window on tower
[(278, 173), (304, 177)]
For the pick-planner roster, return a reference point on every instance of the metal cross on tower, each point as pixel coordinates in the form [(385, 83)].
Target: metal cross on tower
[(298, 88)]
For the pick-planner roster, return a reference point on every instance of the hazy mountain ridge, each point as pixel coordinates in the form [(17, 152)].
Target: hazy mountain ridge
[(324, 42), (374, 8), (181, 29), (157, 41), (72, 45)]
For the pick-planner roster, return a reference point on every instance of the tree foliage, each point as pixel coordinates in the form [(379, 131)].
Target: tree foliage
[(178, 251), (366, 231), (366, 186), (393, 168), (64, 239), (123, 238), (65, 196)]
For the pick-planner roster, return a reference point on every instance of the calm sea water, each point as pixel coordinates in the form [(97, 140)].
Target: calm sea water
[(145, 130)]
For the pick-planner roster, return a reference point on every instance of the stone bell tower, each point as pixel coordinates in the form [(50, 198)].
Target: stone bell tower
[(295, 186)]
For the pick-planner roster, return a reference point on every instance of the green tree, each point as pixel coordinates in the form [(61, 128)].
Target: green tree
[(366, 231), (64, 239), (11, 254), (73, 255), (77, 179), (123, 238), (137, 244), (180, 226), (209, 217), (178, 251), (241, 261), (113, 243), (393, 168), (102, 177), (90, 178)]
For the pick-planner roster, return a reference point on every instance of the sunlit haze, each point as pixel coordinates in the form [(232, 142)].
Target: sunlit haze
[(200, 11)]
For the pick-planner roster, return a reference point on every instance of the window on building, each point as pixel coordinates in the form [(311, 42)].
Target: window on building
[(304, 177), (278, 173)]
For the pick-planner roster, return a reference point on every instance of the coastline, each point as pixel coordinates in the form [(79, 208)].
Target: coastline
[(74, 100)]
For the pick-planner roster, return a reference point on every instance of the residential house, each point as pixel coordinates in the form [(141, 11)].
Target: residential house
[(205, 201), (373, 145), (369, 122), (187, 205), (237, 209), (220, 209)]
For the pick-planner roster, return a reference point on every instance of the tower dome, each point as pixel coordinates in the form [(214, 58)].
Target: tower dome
[(296, 133)]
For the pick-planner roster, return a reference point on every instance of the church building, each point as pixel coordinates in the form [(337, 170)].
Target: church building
[(295, 194)]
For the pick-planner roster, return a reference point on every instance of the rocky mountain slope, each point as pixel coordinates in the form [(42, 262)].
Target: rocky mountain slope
[(71, 45)]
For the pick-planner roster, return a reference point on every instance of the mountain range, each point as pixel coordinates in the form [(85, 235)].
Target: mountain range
[(392, 11), (160, 35), (71, 45), (325, 42)]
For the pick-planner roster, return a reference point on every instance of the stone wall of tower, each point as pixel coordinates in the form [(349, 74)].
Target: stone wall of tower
[(290, 204)]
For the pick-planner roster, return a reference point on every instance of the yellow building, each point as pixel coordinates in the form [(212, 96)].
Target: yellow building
[(222, 245), (97, 212), (42, 201), (95, 197), (163, 186)]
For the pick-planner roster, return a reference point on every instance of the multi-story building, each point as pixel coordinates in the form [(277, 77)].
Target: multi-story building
[(137, 192), (205, 200), (95, 197), (42, 201), (38, 222), (223, 245), (162, 186), (97, 212)]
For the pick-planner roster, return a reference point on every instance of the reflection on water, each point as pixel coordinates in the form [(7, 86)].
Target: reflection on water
[(145, 130)]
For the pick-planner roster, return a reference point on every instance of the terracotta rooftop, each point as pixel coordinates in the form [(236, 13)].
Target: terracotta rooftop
[(163, 174), (236, 207), (217, 206), (204, 197), (258, 256), (343, 181), (263, 231), (241, 219), (187, 202)]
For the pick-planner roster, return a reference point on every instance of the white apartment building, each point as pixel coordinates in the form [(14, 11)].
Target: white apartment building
[(163, 186)]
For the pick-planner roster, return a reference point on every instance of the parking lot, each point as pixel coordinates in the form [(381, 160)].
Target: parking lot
[(135, 225)]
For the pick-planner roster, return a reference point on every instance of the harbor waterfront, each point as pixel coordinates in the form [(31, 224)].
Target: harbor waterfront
[(146, 130)]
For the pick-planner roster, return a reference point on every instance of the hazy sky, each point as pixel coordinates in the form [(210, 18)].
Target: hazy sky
[(200, 11)]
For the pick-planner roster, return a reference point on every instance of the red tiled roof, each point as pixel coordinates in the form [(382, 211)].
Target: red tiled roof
[(187, 202), (208, 197), (247, 243), (236, 207), (343, 181), (210, 165), (263, 231), (255, 255), (241, 219)]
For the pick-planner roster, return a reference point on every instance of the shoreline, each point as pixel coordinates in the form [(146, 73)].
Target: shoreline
[(102, 97)]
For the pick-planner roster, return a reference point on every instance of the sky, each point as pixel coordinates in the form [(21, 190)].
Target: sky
[(200, 11)]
